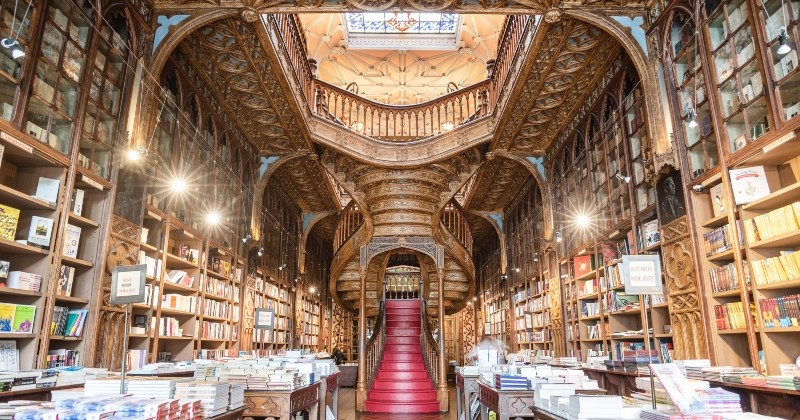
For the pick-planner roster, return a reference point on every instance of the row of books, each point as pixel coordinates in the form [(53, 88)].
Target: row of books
[(725, 278), (68, 322), (719, 240), (775, 223), (731, 316), (781, 311), (40, 232), (784, 267), (16, 318)]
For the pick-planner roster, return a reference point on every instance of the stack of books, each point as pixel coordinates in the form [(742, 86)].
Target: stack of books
[(511, 382)]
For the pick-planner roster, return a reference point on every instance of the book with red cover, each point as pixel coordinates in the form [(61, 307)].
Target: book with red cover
[(582, 265)]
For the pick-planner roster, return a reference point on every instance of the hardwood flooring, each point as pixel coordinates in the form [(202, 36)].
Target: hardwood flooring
[(347, 409)]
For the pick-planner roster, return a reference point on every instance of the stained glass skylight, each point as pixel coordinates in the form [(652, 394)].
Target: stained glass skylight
[(402, 22)]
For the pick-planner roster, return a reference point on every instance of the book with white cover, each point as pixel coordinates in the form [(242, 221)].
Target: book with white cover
[(48, 189)]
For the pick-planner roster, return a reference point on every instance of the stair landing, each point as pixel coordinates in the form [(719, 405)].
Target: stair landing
[(402, 384)]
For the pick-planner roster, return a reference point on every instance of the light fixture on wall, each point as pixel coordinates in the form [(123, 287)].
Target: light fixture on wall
[(623, 178), (12, 42)]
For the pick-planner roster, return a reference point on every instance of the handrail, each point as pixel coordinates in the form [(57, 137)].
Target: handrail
[(455, 220), (401, 122), (375, 346), (350, 219), (430, 350), (407, 122)]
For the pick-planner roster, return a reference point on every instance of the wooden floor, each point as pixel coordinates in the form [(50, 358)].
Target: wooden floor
[(347, 409)]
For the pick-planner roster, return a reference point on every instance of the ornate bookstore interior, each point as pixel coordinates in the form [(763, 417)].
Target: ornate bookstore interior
[(424, 203)]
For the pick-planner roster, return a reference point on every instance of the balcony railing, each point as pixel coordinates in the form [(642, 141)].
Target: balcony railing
[(408, 122)]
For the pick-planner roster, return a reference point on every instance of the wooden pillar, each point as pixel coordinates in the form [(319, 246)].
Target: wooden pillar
[(441, 388), (361, 385)]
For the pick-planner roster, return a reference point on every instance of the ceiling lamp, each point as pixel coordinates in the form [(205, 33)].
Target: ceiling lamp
[(402, 21)]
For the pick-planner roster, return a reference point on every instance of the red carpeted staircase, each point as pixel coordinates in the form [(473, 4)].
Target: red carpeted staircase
[(402, 384)]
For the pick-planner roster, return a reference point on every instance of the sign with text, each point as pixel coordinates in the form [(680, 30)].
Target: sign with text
[(128, 284), (641, 274), (265, 319)]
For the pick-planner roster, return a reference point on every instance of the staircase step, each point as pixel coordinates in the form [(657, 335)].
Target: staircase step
[(402, 324), (395, 365), (391, 384), (399, 339), (403, 332), (403, 311), (415, 407), (402, 348), (402, 303), (402, 375), (397, 317), (409, 396)]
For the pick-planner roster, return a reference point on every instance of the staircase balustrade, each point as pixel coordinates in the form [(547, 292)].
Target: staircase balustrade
[(455, 220), (350, 219), (401, 123), (375, 345), (430, 349)]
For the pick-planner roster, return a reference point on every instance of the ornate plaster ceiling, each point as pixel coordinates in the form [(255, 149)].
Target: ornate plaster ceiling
[(406, 74)]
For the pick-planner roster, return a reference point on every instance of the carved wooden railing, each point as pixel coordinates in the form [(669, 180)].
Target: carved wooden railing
[(400, 123), (511, 44), (375, 344), (455, 220), (430, 349), (350, 219)]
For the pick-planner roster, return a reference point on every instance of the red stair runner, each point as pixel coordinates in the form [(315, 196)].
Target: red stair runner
[(402, 384)]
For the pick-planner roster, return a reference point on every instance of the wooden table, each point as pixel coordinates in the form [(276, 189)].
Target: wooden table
[(506, 404), (329, 384), (229, 415), (38, 394), (466, 386), (282, 405)]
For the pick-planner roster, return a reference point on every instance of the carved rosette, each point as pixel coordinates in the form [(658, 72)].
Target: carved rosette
[(685, 308)]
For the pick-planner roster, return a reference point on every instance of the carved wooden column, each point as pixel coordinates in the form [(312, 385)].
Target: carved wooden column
[(685, 304), (361, 386), (441, 388)]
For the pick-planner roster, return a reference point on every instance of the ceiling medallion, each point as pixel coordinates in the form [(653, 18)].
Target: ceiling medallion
[(402, 21)]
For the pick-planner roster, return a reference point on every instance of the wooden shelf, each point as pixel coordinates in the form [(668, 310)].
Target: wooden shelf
[(16, 248), (788, 239), (19, 200), (82, 221), (76, 262), (19, 292), (716, 221), (777, 199)]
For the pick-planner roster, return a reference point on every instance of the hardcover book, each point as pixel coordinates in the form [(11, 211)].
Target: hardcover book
[(71, 240), (23, 319), (48, 189), (9, 218), (749, 184), (41, 231)]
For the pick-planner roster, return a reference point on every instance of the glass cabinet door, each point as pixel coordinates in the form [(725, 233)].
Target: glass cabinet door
[(15, 32), (743, 106), (782, 38), (694, 111)]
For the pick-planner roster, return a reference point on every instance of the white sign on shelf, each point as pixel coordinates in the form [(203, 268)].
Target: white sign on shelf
[(641, 274)]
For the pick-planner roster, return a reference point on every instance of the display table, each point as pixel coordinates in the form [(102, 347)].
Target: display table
[(282, 405), (506, 404), (39, 394), (466, 386), (329, 385)]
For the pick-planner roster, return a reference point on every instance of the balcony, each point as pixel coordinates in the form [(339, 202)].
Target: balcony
[(403, 124)]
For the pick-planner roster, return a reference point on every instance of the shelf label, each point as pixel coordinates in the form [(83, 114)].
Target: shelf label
[(779, 141), (641, 274), (91, 182), (16, 142)]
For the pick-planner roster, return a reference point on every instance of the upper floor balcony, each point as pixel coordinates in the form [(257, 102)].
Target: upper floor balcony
[(400, 123)]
